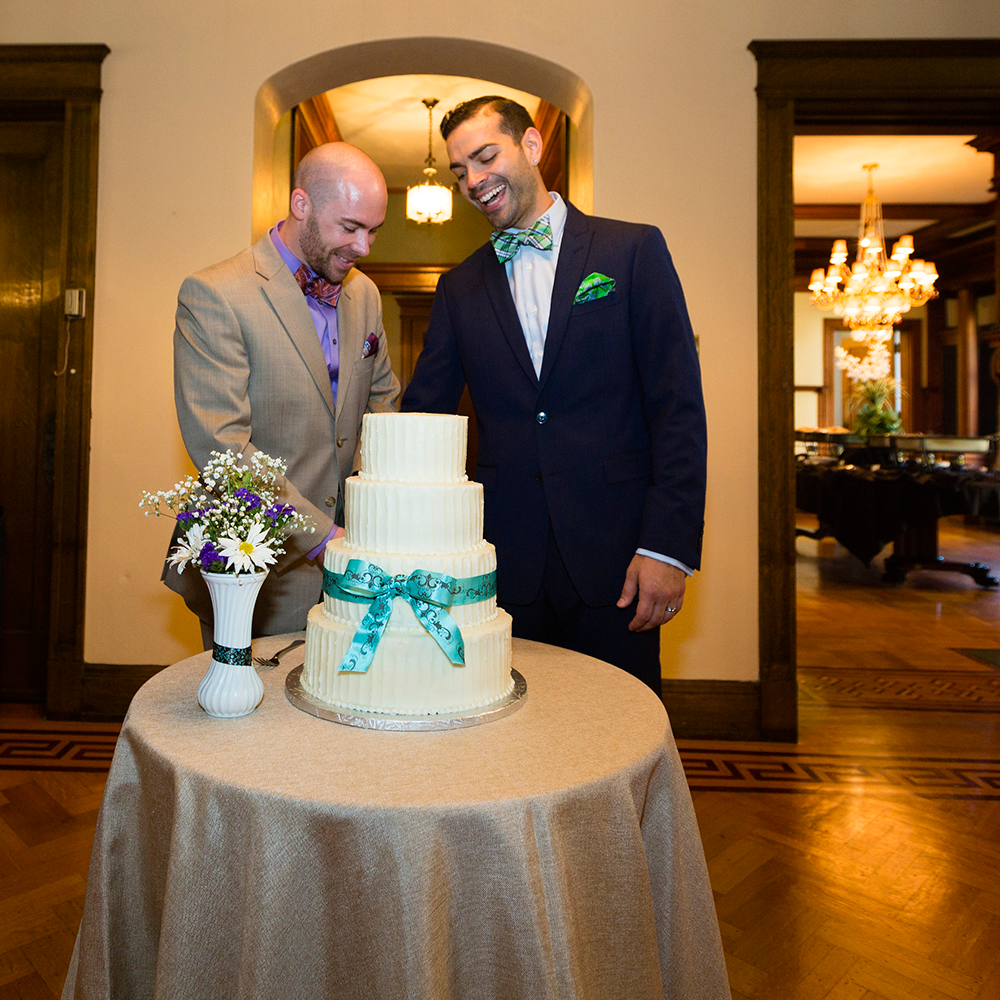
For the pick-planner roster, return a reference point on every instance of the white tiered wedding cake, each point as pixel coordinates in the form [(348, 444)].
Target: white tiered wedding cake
[(409, 623)]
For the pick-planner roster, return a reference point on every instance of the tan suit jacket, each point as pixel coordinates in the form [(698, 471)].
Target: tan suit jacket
[(249, 375)]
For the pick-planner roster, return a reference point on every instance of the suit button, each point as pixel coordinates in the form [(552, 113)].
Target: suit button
[(541, 416), (340, 442), (538, 475), (331, 501)]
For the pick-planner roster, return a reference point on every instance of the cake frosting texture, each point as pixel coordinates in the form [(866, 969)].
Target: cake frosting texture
[(411, 515)]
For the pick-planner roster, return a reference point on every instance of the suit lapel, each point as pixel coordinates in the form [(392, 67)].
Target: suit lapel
[(285, 296), (498, 290), (350, 339), (576, 241)]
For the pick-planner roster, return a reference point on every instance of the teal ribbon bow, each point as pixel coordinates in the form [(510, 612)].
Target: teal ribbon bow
[(429, 594), (594, 286), (507, 244)]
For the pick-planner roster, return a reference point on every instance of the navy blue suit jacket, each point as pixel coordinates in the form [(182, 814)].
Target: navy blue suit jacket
[(609, 443)]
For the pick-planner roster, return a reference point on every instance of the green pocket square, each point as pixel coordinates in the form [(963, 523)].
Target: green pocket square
[(594, 286)]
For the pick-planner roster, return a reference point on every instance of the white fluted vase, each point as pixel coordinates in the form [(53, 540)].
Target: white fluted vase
[(231, 687)]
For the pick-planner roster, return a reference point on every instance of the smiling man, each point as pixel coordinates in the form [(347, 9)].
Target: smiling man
[(280, 349), (572, 335)]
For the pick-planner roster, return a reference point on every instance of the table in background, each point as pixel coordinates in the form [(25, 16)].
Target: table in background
[(550, 854), (865, 509)]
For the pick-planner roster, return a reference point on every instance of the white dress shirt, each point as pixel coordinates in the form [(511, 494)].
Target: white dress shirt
[(531, 274)]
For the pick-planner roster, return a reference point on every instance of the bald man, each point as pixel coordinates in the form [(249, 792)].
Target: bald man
[(281, 349)]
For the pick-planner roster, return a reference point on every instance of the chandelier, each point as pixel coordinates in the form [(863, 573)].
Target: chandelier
[(876, 290), (430, 201)]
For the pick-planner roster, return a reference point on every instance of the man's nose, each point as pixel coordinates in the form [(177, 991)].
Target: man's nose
[(362, 244)]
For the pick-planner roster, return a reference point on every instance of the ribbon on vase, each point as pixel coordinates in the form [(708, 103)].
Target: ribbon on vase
[(237, 655), (429, 594)]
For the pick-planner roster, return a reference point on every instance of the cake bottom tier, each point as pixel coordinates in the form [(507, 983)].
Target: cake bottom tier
[(409, 674)]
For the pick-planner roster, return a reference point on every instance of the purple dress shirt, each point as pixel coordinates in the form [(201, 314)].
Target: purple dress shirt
[(324, 317)]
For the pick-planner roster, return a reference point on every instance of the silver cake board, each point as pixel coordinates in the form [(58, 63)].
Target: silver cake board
[(404, 723)]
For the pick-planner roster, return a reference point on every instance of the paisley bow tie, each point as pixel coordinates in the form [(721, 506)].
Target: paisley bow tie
[(319, 288), (508, 244)]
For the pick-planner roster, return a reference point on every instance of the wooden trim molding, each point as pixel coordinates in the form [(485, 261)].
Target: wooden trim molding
[(406, 279), (107, 689), (945, 86), (35, 76), (714, 710)]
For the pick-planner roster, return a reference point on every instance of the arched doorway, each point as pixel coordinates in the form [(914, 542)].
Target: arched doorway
[(391, 57)]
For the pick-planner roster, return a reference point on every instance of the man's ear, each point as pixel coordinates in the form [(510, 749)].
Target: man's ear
[(531, 143), (299, 204)]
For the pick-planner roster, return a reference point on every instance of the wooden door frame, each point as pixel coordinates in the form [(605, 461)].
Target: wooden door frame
[(900, 86), (35, 80)]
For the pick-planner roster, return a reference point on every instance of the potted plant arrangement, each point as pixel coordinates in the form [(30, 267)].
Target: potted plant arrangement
[(873, 394), (234, 524)]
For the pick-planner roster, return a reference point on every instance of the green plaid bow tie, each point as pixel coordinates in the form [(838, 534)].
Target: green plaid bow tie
[(508, 244)]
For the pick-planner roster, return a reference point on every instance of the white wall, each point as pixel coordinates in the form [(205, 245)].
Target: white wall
[(675, 145)]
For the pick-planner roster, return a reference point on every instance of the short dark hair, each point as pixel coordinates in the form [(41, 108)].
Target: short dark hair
[(514, 119)]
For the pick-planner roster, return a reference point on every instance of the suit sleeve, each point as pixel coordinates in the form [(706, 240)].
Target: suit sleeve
[(674, 409), (438, 379), (211, 383)]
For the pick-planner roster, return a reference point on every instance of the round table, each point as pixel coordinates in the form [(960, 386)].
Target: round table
[(552, 853)]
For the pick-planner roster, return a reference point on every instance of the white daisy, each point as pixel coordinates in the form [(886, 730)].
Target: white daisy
[(250, 553), (188, 548)]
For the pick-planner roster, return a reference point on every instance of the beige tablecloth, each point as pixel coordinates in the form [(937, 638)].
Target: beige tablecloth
[(550, 854)]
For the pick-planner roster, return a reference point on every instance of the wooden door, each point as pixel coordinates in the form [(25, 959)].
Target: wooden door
[(31, 300), (414, 318)]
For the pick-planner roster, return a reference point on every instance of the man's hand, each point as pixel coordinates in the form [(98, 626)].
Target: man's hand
[(661, 592)]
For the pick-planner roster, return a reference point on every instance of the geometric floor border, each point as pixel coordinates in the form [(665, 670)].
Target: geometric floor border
[(87, 750), (907, 690), (793, 772), (721, 769)]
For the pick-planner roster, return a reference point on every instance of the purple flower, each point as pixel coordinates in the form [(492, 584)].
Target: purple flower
[(191, 515), (211, 558), (250, 499), (279, 510)]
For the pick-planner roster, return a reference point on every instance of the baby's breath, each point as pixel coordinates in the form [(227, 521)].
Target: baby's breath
[(234, 518)]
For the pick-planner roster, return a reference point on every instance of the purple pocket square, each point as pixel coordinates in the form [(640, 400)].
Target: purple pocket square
[(371, 345)]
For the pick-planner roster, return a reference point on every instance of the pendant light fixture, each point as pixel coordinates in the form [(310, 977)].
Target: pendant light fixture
[(430, 201)]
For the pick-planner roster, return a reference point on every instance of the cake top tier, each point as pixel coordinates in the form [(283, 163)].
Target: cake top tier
[(414, 447)]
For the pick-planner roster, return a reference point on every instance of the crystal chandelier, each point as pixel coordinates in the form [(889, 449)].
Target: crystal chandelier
[(876, 290), (430, 201)]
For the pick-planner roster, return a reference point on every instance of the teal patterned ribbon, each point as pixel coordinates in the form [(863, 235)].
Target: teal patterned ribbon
[(237, 655), (429, 594), (465, 590), (594, 286)]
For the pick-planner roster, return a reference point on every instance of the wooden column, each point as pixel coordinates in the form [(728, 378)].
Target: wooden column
[(968, 365)]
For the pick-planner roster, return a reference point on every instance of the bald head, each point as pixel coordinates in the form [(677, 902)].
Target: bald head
[(326, 170), (336, 207)]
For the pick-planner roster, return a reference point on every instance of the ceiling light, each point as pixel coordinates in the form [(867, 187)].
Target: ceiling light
[(877, 289), (430, 201)]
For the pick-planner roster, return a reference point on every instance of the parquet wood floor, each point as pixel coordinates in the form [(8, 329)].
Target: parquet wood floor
[(862, 863), (876, 875)]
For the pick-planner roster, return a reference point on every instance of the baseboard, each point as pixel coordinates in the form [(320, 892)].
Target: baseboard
[(714, 710), (108, 689)]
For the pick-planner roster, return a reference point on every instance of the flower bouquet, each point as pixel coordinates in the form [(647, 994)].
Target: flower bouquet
[(874, 389), (234, 525)]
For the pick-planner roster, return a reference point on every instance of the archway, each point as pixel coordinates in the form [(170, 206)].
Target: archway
[(393, 57)]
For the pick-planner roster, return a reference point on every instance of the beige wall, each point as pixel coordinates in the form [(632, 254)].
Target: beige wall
[(674, 144)]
